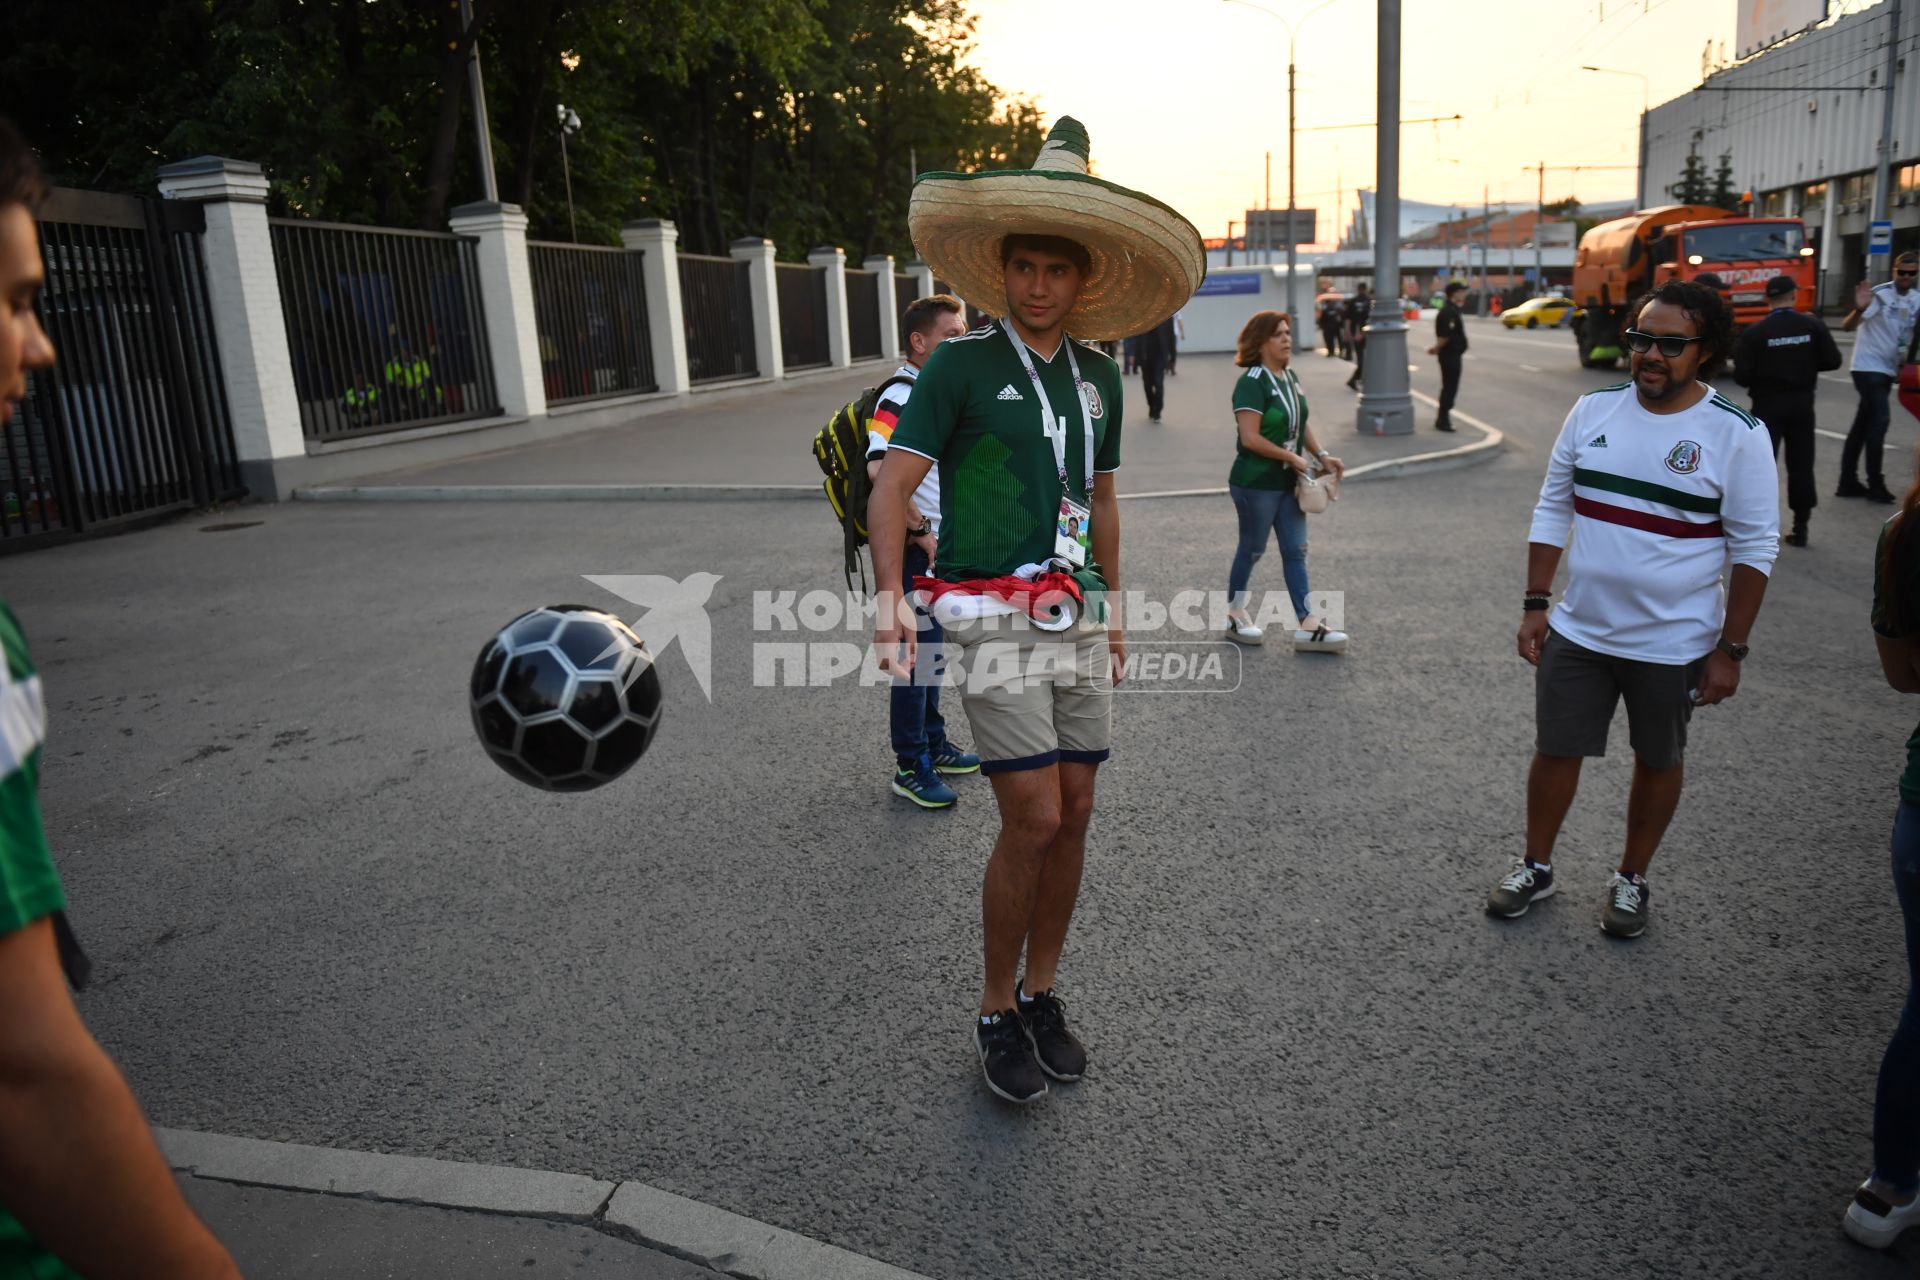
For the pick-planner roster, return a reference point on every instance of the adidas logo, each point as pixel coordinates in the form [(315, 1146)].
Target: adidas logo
[(1599, 442), (1008, 393)]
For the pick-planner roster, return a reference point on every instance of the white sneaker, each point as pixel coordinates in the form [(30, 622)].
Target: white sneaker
[(1320, 640), (1874, 1222), (1244, 632)]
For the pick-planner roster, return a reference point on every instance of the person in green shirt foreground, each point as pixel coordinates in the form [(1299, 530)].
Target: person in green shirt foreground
[(84, 1190), (1024, 425), (1275, 447)]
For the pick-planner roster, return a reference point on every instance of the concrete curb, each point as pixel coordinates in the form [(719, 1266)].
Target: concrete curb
[(556, 493), (711, 1237), (1481, 450)]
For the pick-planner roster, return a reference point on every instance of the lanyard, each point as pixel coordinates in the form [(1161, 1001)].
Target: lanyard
[(1056, 429), (1290, 399)]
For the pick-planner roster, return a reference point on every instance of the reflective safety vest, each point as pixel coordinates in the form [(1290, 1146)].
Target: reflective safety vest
[(360, 397), (410, 374)]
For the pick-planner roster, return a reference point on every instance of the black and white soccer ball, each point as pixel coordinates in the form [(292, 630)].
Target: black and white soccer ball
[(565, 698)]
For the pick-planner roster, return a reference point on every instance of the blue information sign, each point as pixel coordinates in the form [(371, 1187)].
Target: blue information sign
[(1879, 238), (1216, 286)]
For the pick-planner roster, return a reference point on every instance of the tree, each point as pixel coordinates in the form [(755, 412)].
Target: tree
[(1692, 187), (1724, 194), (795, 119)]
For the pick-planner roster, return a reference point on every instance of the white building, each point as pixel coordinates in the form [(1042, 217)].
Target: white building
[(1801, 125)]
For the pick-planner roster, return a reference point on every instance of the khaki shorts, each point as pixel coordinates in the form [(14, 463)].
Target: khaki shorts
[(1033, 698)]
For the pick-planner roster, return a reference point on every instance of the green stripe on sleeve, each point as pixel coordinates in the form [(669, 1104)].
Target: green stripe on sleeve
[(1646, 489)]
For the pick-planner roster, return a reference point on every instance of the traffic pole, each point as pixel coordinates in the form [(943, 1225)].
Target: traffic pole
[(1386, 408)]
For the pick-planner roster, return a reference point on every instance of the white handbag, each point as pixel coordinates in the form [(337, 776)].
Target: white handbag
[(1315, 493)]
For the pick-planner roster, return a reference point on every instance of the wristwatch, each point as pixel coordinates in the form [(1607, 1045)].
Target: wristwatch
[(1738, 652), (926, 527)]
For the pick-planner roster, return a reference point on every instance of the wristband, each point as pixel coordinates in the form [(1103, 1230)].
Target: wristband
[(1536, 601)]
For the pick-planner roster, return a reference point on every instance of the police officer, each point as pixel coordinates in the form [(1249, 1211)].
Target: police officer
[(1780, 360), (1450, 332)]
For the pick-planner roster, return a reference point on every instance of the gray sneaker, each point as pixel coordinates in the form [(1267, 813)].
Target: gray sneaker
[(1519, 889), (1629, 904)]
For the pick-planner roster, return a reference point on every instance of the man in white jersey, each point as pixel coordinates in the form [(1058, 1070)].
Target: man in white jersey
[(1885, 315), (1662, 483)]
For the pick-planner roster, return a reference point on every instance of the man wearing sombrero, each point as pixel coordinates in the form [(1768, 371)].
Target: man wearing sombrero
[(1024, 425)]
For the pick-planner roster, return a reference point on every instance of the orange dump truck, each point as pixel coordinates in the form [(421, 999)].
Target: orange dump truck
[(1620, 260)]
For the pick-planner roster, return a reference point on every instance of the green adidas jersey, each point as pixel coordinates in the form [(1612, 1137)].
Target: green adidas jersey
[(1282, 407), (974, 412), (29, 888)]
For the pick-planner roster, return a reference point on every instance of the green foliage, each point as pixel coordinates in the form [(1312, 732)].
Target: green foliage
[(793, 119), (1724, 193), (1692, 187)]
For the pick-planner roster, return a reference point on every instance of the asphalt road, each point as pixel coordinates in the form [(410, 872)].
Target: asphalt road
[(745, 974)]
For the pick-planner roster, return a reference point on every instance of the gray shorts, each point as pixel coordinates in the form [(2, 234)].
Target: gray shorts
[(1576, 690)]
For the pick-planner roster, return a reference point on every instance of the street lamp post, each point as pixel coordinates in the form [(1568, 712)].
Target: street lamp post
[(1293, 310), (1640, 196), (1386, 405), (569, 123)]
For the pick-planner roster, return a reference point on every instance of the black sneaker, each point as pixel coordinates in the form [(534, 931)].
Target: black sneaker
[(1006, 1058), (1044, 1015), (1850, 488), (1877, 491)]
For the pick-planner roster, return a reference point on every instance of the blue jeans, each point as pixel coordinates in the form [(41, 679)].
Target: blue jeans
[(918, 728), (1869, 430), (1896, 1101), (1261, 510)]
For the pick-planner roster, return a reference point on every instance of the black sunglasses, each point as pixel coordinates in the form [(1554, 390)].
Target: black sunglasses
[(1914, 272), (1670, 346)]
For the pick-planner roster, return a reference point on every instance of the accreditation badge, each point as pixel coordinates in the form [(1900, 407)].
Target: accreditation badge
[(1073, 535)]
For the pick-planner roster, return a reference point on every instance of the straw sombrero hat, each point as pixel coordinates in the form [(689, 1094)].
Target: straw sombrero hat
[(1147, 259)]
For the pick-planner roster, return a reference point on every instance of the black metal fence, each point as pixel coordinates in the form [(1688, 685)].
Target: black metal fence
[(590, 310), (863, 314), (716, 306), (905, 293), (384, 326), (803, 314), (132, 420)]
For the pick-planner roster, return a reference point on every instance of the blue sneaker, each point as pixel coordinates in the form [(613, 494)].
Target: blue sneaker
[(922, 785), (951, 759)]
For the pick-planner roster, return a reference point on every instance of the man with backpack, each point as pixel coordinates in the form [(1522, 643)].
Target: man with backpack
[(920, 747)]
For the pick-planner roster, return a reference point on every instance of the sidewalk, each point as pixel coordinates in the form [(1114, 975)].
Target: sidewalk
[(760, 446)]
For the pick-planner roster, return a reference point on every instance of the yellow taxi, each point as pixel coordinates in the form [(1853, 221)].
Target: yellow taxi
[(1535, 312)]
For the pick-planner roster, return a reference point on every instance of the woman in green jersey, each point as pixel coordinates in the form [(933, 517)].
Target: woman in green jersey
[(1276, 447)]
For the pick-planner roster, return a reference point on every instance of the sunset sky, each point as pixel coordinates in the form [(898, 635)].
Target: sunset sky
[(1182, 98)]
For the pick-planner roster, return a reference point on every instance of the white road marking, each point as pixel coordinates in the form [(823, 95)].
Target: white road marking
[(1531, 368)]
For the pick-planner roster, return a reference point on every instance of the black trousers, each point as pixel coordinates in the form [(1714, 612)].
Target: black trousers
[(1449, 381), (1789, 418), (1330, 335), (1153, 375), (1359, 359)]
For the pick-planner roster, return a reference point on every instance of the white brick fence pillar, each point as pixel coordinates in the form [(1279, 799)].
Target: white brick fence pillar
[(243, 290), (882, 266), (659, 240), (506, 299), (833, 260), (766, 304)]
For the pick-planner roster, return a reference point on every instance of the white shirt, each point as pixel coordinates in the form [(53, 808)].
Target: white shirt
[(926, 498), (1886, 326), (1657, 506)]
